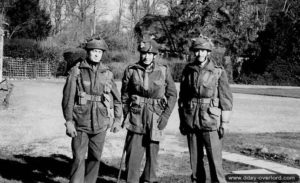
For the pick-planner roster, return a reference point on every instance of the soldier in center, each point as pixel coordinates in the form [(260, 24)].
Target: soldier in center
[(148, 95)]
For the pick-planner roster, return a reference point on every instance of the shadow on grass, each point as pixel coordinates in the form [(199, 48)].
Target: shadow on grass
[(50, 169)]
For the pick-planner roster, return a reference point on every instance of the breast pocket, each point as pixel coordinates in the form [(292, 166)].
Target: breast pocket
[(209, 86)]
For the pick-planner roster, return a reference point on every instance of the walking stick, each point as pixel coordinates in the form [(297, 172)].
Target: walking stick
[(123, 153), (120, 168)]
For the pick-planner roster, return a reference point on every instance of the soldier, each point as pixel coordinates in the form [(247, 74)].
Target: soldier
[(91, 104), (148, 95), (205, 104)]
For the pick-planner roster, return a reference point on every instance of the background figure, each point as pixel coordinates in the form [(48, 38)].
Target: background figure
[(91, 104), (149, 96), (205, 104)]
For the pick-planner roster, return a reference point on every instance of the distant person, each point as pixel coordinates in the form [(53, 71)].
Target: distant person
[(205, 104), (91, 105), (148, 97)]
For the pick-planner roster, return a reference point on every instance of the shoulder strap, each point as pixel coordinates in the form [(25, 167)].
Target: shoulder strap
[(78, 78), (164, 71), (218, 73)]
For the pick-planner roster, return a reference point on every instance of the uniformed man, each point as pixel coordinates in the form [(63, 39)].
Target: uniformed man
[(205, 102), (148, 96), (91, 104)]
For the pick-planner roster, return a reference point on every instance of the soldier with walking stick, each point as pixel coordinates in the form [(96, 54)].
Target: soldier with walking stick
[(148, 95)]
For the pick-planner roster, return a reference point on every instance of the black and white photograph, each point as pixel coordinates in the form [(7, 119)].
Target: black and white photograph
[(149, 91)]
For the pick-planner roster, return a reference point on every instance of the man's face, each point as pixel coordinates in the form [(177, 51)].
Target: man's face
[(147, 58), (95, 55), (201, 55)]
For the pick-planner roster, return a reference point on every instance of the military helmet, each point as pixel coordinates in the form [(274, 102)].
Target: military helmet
[(201, 43), (96, 44), (148, 46)]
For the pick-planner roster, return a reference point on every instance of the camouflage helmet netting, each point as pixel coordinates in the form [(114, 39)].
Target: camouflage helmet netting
[(96, 44), (201, 43), (148, 46)]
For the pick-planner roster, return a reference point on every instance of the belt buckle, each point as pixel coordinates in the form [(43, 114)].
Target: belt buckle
[(93, 97)]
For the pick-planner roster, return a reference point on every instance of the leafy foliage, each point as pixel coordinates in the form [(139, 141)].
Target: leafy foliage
[(35, 50), (278, 61), (232, 25), (27, 20)]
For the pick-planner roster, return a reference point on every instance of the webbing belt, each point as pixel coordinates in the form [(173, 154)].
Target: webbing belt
[(202, 100), (94, 98), (139, 99)]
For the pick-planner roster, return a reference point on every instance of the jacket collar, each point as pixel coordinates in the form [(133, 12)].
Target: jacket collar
[(100, 67), (208, 66), (138, 65)]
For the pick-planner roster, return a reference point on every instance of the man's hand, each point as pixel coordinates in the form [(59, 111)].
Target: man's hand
[(183, 130), (221, 130), (125, 108), (116, 127), (162, 122), (70, 129)]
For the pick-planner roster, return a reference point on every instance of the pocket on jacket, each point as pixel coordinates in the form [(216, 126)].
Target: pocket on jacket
[(135, 115), (158, 109), (102, 118), (207, 90), (81, 114), (210, 118), (187, 114)]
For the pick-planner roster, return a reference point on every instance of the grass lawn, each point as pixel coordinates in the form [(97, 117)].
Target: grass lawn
[(281, 147), (280, 92)]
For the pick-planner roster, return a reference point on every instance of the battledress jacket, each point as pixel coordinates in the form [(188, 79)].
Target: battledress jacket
[(160, 86), (88, 97), (205, 96)]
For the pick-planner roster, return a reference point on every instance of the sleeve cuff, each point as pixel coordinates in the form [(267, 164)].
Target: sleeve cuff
[(225, 116)]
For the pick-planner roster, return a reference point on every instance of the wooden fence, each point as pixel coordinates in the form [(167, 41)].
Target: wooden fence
[(20, 68)]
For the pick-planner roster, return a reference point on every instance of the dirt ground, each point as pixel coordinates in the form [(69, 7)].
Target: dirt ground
[(32, 134)]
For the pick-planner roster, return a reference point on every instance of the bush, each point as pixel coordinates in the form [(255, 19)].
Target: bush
[(45, 51), (121, 56)]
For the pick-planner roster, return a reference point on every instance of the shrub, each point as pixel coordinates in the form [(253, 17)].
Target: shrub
[(30, 49)]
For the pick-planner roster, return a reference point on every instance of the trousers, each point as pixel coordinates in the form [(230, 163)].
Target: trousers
[(213, 145), (136, 146), (86, 171)]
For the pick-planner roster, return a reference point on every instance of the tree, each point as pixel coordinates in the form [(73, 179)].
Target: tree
[(56, 9), (28, 20), (278, 61)]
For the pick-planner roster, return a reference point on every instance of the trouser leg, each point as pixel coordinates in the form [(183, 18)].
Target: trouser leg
[(79, 149), (213, 147), (134, 155), (195, 144), (96, 144), (152, 149)]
